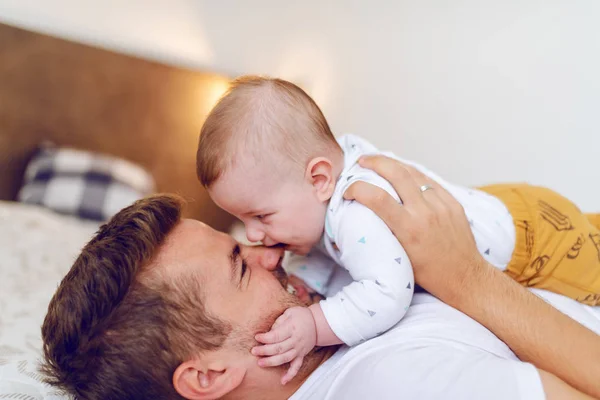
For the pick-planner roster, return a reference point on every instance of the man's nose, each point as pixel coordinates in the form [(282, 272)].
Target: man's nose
[(271, 257), (265, 257), (253, 234)]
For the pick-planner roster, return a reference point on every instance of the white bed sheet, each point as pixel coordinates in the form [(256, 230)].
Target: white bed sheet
[(37, 248)]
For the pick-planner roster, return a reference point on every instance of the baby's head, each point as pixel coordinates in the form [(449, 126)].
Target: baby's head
[(266, 155)]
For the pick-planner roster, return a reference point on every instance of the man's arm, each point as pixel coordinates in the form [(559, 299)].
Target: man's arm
[(435, 233), (533, 329), (556, 389)]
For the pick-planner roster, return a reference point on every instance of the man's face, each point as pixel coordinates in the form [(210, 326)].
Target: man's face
[(244, 286)]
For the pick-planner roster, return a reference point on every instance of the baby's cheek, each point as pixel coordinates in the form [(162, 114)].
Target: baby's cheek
[(283, 228)]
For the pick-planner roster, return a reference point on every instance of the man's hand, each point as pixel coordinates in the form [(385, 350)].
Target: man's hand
[(291, 337), (431, 225)]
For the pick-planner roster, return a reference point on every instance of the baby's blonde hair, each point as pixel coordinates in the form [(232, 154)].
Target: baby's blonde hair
[(266, 118)]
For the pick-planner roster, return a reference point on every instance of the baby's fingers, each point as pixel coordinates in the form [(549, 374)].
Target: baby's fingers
[(273, 349), (293, 370), (279, 334), (279, 359), (279, 321)]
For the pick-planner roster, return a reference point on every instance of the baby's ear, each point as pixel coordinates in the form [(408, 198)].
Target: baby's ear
[(320, 174)]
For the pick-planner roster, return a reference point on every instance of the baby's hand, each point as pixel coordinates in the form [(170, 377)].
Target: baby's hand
[(291, 337)]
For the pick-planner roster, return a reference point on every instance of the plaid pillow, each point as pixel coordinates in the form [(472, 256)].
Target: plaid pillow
[(81, 183)]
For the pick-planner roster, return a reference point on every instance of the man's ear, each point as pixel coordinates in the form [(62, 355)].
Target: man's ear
[(194, 380), (320, 174)]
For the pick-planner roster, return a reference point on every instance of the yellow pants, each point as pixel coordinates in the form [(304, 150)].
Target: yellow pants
[(557, 246)]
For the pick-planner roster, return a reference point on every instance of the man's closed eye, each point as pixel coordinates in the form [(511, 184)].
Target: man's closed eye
[(239, 264)]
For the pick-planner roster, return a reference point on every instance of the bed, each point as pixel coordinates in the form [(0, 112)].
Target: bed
[(37, 249), (96, 101)]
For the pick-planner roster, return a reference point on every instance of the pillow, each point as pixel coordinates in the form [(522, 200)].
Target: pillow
[(82, 183)]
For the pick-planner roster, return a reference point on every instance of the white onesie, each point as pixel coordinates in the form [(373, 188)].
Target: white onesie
[(359, 241)]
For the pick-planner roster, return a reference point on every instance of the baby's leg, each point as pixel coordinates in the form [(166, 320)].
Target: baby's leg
[(594, 220), (557, 247)]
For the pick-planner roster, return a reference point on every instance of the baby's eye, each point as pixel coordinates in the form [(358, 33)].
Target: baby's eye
[(262, 217)]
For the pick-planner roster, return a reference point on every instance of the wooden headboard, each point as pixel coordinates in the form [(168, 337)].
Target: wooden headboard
[(93, 99)]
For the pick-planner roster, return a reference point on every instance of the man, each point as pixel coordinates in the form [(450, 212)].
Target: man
[(156, 307)]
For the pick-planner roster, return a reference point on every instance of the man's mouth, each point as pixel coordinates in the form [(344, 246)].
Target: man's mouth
[(283, 278), (280, 274)]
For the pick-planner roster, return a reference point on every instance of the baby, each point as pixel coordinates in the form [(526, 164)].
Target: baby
[(267, 156)]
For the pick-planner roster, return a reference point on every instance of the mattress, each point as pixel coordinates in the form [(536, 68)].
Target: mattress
[(37, 248)]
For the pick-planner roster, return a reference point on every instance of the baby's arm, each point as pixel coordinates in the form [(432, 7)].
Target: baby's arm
[(383, 282), (383, 279)]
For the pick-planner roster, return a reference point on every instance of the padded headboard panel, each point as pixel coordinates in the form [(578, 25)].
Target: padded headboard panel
[(93, 99)]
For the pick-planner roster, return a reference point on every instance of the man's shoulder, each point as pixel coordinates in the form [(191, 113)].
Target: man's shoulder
[(408, 371), (426, 346), (432, 342)]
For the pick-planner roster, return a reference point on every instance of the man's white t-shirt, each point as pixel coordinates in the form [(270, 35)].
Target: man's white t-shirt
[(434, 352)]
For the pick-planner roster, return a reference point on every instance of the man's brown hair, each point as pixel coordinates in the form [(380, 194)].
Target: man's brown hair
[(266, 118), (116, 328)]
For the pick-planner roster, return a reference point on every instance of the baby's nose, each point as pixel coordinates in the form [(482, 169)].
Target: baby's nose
[(254, 235), (267, 241)]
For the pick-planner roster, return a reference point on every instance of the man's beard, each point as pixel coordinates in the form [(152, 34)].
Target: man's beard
[(244, 338), (284, 301)]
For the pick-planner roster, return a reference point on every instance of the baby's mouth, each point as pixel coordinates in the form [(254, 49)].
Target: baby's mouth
[(295, 249)]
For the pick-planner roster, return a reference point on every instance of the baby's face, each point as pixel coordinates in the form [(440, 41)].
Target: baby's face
[(274, 210)]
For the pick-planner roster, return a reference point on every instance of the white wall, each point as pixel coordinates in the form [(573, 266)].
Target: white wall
[(479, 90)]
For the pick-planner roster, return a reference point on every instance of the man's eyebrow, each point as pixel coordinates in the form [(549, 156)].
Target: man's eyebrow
[(234, 257)]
